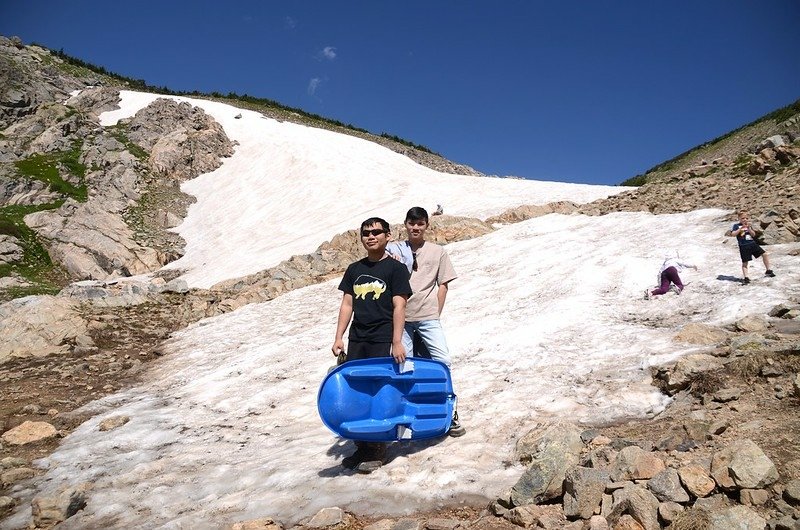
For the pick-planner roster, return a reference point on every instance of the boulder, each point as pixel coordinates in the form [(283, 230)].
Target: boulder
[(688, 368), (701, 334), (666, 486), (739, 517), (637, 503), (29, 432), (48, 511), (36, 326), (633, 463), (543, 480), (743, 465), (583, 491)]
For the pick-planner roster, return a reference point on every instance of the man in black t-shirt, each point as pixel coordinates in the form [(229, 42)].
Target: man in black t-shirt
[(375, 290)]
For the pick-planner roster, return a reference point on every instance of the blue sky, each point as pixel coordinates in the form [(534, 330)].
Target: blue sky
[(592, 92)]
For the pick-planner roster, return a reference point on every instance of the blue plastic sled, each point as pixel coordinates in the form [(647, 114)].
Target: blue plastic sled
[(378, 400)]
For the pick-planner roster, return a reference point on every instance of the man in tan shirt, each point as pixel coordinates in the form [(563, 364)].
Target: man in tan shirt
[(431, 272)]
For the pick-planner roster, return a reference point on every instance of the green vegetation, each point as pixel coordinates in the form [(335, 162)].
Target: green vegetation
[(45, 167), (777, 116), (118, 132), (406, 142), (35, 266), (638, 180)]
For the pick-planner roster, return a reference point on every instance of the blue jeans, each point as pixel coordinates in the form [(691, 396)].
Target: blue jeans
[(432, 334)]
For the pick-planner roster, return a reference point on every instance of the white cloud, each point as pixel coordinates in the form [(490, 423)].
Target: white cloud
[(328, 52), (289, 23), (313, 84)]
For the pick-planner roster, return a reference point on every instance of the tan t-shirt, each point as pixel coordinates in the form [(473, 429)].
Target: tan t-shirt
[(433, 269)]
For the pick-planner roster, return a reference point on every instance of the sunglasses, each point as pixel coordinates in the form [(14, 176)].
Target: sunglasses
[(414, 265), (373, 232)]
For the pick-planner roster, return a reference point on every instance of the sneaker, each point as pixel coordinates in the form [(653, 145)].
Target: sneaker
[(456, 429), (769, 273), (746, 280)]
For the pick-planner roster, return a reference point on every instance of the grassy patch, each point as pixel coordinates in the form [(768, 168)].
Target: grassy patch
[(118, 133), (638, 180), (47, 168), (35, 266)]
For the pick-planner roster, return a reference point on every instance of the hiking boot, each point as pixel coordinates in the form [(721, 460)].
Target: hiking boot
[(368, 457), (647, 294), (746, 280), (769, 273), (456, 429)]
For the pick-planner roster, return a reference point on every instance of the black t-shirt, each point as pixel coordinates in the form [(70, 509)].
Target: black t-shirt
[(373, 284)]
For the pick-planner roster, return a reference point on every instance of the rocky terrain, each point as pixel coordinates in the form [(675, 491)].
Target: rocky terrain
[(84, 207)]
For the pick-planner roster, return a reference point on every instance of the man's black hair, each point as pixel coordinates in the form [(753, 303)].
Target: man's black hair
[(376, 220), (417, 213)]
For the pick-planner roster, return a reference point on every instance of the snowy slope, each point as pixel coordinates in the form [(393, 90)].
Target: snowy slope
[(290, 187)]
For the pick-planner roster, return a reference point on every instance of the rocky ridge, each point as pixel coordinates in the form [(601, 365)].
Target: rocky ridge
[(107, 328)]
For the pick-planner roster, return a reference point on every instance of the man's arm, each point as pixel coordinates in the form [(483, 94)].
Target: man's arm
[(398, 323), (345, 312), (441, 296)]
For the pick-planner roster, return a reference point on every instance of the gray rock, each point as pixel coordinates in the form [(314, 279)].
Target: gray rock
[(750, 497), (752, 323), (113, 422), (739, 517), (6, 505), (639, 504), (688, 368), (583, 491), (543, 480), (633, 463), (549, 516), (38, 326), (50, 511), (792, 492), (438, 523), (669, 511), (743, 465), (666, 486), (327, 517), (16, 475)]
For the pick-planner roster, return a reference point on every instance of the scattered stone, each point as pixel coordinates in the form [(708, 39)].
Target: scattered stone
[(257, 524), (639, 504), (666, 486), (743, 465), (441, 524), (739, 517), (16, 475), (6, 505), (50, 511), (669, 511), (696, 480), (633, 463), (583, 491), (114, 422), (598, 522), (701, 334), (727, 394), (327, 517), (29, 432), (751, 324), (549, 516), (792, 492), (750, 497)]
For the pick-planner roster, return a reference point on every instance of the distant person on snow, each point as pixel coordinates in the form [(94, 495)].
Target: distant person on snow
[(431, 274), (375, 290), (748, 248), (668, 274)]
